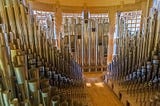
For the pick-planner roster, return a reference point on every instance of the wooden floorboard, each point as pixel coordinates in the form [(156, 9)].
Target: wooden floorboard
[(99, 93)]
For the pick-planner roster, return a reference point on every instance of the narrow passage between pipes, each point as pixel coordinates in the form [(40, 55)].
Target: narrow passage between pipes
[(99, 94)]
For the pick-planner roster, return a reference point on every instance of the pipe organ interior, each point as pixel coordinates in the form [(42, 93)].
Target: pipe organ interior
[(33, 71), (135, 68), (87, 37), (47, 47)]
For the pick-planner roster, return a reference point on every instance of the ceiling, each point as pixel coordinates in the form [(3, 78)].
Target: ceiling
[(88, 2), (79, 4)]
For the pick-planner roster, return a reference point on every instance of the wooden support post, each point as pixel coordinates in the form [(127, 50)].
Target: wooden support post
[(58, 23), (112, 17)]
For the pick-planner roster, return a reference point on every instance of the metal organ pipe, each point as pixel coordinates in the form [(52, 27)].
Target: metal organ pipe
[(30, 63), (135, 68), (91, 42)]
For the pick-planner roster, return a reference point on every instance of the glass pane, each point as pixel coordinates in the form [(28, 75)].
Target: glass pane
[(138, 21), (129, 25), (132, 19), (137, 29), (133, 25), (129, 21), (138, 25), (132, 29), (129, 29)]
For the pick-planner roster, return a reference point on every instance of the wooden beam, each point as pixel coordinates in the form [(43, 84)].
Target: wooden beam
[(93, 9), (42, 6)]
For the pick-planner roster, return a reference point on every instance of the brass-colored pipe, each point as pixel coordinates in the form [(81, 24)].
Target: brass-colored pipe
[(11, 17), (15, 5), (7, 73), (34, 73), (20, 59), (39, 34), (24, 25), (23, 51), (13, 55), (35, 36), (45, 96), (1, 98), (33, 87), (30, 32), (3, 15), (6, 95), (89, 45), (27, 90), (20, 75)]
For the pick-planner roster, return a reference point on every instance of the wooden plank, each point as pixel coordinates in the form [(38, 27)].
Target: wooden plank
[(98, 92)]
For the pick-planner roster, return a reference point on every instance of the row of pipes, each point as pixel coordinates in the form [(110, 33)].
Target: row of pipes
[(87, 38), (136, 65), (32, 69)]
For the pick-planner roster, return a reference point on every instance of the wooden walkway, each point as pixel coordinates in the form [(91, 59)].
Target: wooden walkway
[(99, 93)]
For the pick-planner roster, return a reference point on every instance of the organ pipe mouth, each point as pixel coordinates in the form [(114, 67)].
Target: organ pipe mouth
[(20, 60), (6, 95), (45, 96), (34, 73), (19, 72), (33, 85)]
